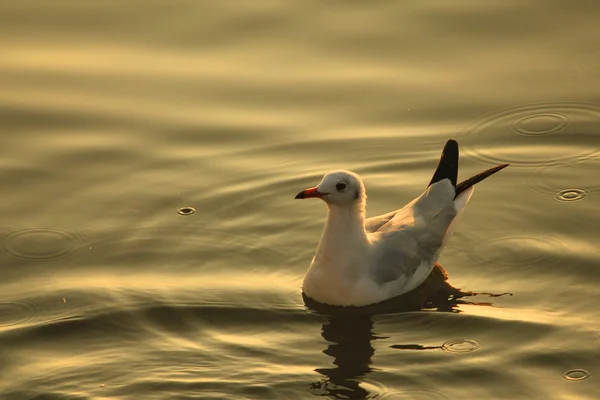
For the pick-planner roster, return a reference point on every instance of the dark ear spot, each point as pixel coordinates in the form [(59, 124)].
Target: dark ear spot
[(356, 195), (341, 186)]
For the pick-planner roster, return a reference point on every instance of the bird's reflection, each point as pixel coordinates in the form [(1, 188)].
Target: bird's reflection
[(350, 347), (349, 331)]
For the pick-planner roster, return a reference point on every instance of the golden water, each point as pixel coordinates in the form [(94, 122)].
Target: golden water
[(114, 115)]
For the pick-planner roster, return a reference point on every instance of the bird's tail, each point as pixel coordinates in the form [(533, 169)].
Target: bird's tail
[(448, 165), (448, 169), (467, 183)]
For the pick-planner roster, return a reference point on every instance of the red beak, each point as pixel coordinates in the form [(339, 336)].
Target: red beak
[(312, 192)]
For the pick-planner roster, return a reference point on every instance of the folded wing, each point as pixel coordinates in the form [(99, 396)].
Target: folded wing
[(447, 168), (412, 240), (407, 243)]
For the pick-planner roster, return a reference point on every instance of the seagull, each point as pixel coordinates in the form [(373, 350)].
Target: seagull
[(361, 261)]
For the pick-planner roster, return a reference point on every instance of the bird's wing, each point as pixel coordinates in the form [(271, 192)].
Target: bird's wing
[(447, 168), (374, 223), (413, 238)]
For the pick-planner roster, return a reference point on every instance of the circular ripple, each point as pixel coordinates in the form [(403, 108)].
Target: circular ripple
[(539, 124), (461, 345), (186, 211), (39, 244), (507, 252), (552, 134), (565, 184), (13, 313), (570, 195), (576, 374)]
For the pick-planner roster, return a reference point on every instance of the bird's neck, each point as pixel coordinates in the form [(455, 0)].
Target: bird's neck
[(346, 216), (344, 231), (341, 257)]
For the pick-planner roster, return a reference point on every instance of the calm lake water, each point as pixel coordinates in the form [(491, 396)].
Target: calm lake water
[(115, 114)]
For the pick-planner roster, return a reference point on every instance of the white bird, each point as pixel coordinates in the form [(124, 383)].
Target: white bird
[(365, 261)]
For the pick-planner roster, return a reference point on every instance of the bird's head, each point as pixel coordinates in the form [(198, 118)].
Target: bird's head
[(337, 187)]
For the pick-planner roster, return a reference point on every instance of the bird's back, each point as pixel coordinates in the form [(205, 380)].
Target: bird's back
[(407, 246)]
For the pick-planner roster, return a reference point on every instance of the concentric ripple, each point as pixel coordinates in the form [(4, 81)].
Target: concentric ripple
[(39, 244), (539, 124), (551, 134), (14, 313), (505, 252), (461, 345), (570, 195), (566, 184), (186, 211), (576, 374)]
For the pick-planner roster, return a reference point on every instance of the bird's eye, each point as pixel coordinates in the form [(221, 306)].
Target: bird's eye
[(341, 186)]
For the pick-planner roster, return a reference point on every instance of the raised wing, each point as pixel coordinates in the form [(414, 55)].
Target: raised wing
[(413, 236)]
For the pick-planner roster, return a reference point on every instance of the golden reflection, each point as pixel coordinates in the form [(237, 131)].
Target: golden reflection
[(349, 332)]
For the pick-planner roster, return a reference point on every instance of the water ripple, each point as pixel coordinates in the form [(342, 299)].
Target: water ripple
[(15, 313), (461, 345), (186, 211), (39, 244), (539, 124), (552, 134), (565, 184), (511, 251), (372, 389), (570, 195), (576, 374)]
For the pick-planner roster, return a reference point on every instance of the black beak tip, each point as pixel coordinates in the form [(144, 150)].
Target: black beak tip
[(300, 195)]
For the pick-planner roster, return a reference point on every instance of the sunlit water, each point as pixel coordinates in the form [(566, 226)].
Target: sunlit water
[(150, 244)]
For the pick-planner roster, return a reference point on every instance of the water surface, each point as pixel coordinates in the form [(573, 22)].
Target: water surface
[(115, 116)]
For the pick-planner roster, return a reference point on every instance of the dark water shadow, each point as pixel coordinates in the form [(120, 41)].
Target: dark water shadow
[(349, 331)]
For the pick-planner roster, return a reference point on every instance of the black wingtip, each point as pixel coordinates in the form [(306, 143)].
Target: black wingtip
[(464, 185), (448, 165)]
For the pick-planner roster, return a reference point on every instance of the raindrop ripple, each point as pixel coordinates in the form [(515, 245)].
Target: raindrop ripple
[(15, 313), (186, 211), (39, 244), (576, 374), (513, 251), (548, 134), (539, 124), (565, 184), (570, 195), (461, 345)]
